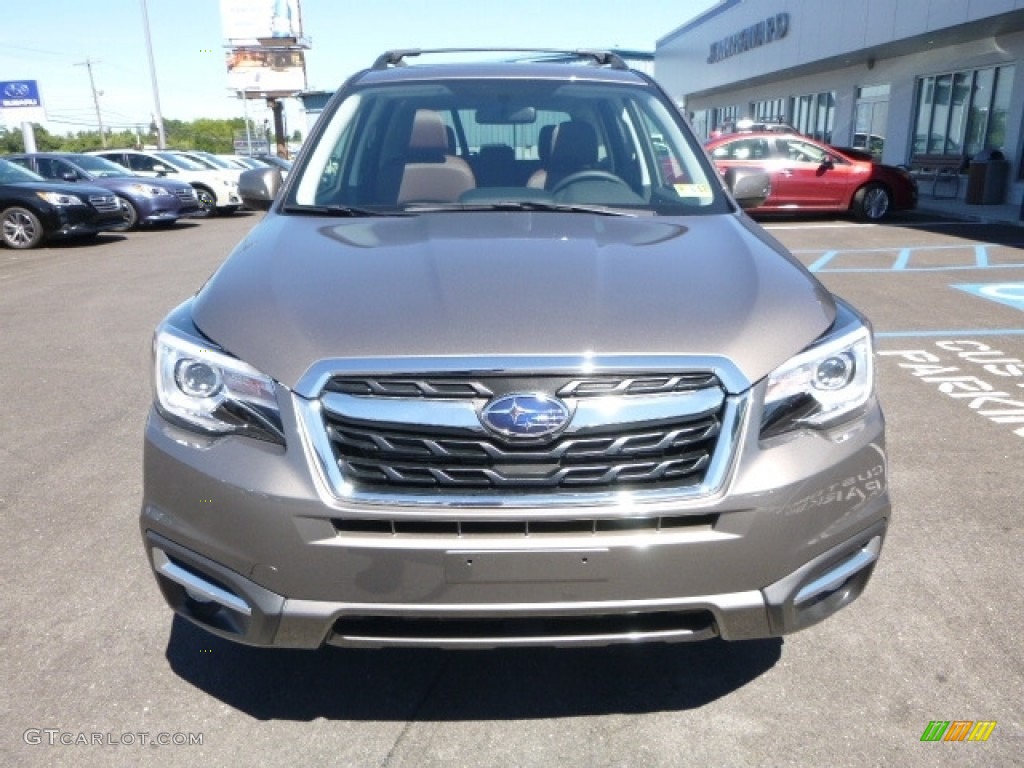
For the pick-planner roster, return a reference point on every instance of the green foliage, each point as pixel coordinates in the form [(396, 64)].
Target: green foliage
[(205, 134)]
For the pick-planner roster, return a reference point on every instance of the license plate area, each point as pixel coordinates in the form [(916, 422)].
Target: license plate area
[(525, 566)]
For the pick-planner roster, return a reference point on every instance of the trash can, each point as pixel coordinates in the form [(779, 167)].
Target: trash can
[(986, 178)]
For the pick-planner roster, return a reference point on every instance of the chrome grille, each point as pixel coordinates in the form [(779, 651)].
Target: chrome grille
[(597, 386), (442, 448), (105, 203)]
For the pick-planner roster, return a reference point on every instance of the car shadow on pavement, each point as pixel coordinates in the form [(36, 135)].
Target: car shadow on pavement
[(88, 241), (436, 685)]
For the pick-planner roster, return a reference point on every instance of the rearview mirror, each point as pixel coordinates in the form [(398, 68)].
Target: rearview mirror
[(259, 187), (505, 114), (749, 186)]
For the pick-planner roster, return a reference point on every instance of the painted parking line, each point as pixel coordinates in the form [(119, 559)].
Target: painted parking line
[(1010, 294), (919, 258), (954, 333)]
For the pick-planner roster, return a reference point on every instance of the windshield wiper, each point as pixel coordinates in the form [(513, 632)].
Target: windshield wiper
[(521, 205), (349, 211)]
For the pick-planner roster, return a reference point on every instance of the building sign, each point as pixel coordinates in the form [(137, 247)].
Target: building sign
[(20, 102), (768, 31), (247, 22), (266, 70)]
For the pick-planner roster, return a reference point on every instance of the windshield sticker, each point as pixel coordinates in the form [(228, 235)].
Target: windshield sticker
[(692, 190)]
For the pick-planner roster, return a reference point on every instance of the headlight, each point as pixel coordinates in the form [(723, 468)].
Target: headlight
[(822, 385), (202, 388), (57, 198), (147, 191)]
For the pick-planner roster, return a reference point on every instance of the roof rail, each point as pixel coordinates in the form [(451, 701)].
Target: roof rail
[(396, 58)]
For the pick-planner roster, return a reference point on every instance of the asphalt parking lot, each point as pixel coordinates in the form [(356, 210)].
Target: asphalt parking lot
[(89, 653)]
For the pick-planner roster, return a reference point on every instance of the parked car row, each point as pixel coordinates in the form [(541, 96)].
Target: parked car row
[(54, 195)]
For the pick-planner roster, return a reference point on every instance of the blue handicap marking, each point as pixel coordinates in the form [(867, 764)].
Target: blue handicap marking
[(1010, 294)]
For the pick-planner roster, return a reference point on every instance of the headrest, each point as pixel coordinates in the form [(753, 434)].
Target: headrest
[(428, 132), (575, 145)]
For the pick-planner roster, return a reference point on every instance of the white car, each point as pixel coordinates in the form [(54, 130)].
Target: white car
[(243, 162), (217, 190)]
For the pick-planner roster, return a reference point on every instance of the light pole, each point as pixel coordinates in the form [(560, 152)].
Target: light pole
[(95, 99), (161, 137)]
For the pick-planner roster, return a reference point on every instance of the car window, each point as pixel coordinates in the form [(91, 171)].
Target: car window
[(23, 162), (11, 173), (143, 163), (180, 162), (115, 157), (743, 149), (462, 142), (801, 151), (52, 168), (99, 166)]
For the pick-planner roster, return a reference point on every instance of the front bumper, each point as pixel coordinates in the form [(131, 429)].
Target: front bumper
[(77, 221), (244, 543)]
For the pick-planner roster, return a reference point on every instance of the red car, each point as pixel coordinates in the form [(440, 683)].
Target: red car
[(807, 175)]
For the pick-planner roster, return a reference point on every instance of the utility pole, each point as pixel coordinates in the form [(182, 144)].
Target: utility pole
[(161, 137), (95, 98)]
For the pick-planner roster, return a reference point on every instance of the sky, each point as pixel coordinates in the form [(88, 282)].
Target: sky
[(51, 39)]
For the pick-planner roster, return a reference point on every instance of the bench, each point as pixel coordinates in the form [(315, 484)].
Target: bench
[(939, 169)]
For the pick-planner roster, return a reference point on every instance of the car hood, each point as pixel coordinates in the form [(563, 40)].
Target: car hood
[(302, 289), (127, 182)]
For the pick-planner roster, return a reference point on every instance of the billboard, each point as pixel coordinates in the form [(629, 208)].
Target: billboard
[(20, 102), (247, 22), (265, 71)]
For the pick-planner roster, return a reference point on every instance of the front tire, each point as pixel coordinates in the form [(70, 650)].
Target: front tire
[(871, 203), (20, 228), (207, 203), (131, 217)]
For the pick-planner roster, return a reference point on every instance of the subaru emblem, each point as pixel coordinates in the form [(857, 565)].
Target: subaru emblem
[(525, 416)]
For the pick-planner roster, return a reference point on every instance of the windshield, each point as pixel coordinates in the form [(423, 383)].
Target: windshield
[(213, 161), (99, 166), (468, 144), (11, 173), (181, 162)]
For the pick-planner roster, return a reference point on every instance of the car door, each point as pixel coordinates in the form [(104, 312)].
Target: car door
[(808, 175)]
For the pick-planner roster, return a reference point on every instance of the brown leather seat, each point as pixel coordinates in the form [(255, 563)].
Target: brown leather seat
[(430, 174)]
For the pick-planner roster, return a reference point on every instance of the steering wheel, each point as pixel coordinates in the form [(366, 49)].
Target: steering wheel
[(592, 174)]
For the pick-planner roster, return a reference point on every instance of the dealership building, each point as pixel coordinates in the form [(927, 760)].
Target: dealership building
[(909, 80)]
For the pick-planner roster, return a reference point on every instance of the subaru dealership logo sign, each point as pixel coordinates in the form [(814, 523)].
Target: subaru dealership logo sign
[(768, 31), (19, 93)]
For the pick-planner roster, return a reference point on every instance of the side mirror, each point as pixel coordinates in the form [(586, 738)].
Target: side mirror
[(259, 187), (750, 186), (161, 170), (69, 176)]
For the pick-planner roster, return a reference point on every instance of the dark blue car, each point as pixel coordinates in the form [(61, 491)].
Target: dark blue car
[(147, 201)]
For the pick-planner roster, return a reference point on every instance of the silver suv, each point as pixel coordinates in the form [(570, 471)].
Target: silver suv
[(504, 364)]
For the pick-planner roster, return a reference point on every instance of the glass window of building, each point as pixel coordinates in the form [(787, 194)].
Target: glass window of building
[(814, 114), (870, 119), (962, 113), (770, 111)]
